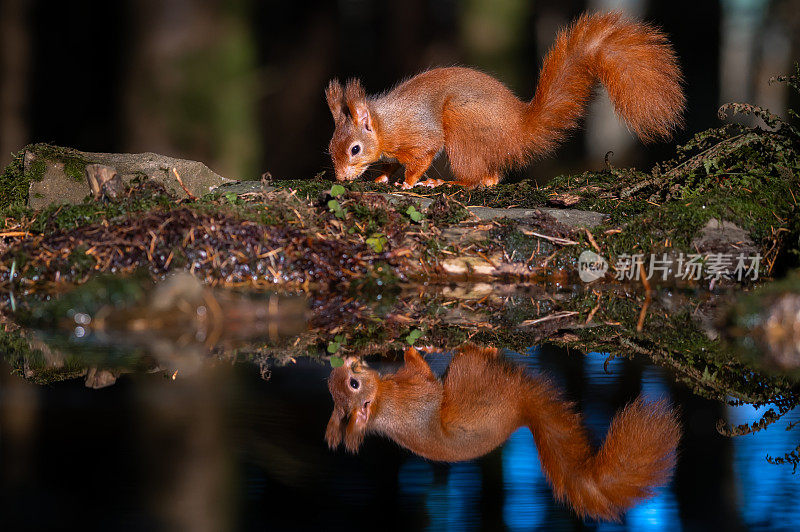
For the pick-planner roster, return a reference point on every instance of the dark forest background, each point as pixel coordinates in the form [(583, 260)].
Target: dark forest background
[(238, 84)]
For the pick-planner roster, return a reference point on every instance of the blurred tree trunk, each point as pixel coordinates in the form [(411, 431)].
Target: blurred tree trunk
[(705, 501), (299, 49), (548, 18), (14, 57), (190, 88), (778, 50), (694, 29)]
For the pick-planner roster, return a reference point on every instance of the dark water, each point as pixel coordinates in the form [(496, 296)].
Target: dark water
[(227, 450)]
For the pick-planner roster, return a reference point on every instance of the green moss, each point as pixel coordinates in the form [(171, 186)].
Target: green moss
[(36, 170), (13, 182), (446, 211), (74, 163), (65, 217), (313, 188)]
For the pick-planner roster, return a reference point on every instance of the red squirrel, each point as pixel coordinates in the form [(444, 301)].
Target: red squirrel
[(481, 401), (485, 129)]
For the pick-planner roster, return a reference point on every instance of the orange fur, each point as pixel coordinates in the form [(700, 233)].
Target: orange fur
[(482, 400), (485, 129)]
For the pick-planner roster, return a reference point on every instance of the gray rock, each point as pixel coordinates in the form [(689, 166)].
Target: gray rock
[(572, 218), (56, 186), (244, 187)]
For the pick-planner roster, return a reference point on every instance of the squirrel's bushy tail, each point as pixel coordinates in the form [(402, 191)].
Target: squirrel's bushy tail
[(635, 63), (638, 455)]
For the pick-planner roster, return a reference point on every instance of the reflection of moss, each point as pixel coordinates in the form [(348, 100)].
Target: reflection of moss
[(16, 350), (756, 316), (29, 362), (101, 291)]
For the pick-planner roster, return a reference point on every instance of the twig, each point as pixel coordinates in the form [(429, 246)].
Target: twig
[(180, 181), (487, 259), (640, 185), (596, 308), (549, 317), (555, 239), (591, 240), (643, 313)]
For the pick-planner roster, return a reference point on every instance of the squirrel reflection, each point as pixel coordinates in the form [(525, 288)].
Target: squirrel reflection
[(481, 401)]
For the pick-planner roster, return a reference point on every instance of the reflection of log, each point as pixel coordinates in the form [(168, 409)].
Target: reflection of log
[(763, 326)]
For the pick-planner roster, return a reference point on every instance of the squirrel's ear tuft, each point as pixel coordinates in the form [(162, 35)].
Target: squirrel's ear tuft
[(335, 96), (356, 100)]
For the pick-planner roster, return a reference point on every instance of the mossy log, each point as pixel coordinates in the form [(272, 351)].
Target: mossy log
[(270, 231)]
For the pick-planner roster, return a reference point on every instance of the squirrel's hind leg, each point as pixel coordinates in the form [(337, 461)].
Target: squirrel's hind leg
[(488, 180), (387, 170), (469, 168)]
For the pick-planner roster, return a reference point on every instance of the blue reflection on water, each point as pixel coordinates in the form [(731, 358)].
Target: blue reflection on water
[(452, 504), (658, 513), (527, 495), (767, 494)]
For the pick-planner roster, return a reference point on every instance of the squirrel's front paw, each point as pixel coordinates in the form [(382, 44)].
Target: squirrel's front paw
[(432, 183)]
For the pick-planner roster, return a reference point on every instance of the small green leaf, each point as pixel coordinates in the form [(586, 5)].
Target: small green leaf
[(414, 214), (337, 190), (336, 362), (334, 206), (333, 347), (340, 338), (377, 242), (231, 197), (413, 336)]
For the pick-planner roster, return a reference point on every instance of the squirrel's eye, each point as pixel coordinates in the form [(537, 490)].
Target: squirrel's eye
[(355, 149), (353, 383)]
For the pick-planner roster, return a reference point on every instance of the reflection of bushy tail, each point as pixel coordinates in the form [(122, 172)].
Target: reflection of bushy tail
[(637, 456)]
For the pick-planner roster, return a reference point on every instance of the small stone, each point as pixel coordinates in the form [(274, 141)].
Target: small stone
[(563, 200), (104, 181)]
